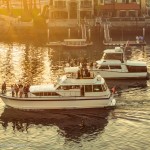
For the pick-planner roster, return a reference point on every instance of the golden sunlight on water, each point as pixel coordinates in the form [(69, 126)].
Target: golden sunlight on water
[(127, 126), (26, 63)]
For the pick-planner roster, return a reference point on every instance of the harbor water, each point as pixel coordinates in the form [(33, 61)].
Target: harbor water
[(125, 127)]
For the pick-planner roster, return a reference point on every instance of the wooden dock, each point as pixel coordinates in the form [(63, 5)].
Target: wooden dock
[(109, 42), (124, 43)]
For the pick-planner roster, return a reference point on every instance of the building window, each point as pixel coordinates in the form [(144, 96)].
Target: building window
[(133, 0), (85, 14), (59, 15), (132, 13), (109, 1), (86, 4), (60, 4), (121, 1), (123, 13)]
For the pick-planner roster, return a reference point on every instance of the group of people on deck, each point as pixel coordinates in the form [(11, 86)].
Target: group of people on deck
[(83, 63), (18, 90), (139, 39)]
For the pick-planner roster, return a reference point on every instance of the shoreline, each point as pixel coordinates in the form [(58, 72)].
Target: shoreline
[(26, 32)]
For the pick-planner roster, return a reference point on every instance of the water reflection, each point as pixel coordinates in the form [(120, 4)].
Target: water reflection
[(72, 124)]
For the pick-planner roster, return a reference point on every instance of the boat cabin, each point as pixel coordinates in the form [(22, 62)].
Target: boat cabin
[(81, 86), (73, 85), (114, 54), (115, 60)]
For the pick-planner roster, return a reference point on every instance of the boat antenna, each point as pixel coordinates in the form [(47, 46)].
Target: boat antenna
[(124, 49), (126, 45)]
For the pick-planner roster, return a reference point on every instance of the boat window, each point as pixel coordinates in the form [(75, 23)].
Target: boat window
[(104, 67), (68, 87), (97, 88), (59, 88), (112, 56), (76, 87), (54, 94), (88, 88), (46, 94), (115, 67), (104, 87), (137, 68)]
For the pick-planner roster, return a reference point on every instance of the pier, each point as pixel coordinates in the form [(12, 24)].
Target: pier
[(109, 42), (123, 43)]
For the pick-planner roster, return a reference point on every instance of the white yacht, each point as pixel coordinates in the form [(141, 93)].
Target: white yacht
[(71, 92), (114, 65)]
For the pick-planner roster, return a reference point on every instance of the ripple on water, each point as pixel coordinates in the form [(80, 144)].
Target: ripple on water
[(127, 126)]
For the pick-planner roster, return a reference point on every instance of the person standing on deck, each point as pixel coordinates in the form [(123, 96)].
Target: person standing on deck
[(16, 89), (20, 91), (12, 90), (4, 88)]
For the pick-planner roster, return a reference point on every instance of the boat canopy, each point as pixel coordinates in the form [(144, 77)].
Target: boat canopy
[(89, 81), (115, 50), (74, 40), (135, 63), (42, 88), (71, 69)]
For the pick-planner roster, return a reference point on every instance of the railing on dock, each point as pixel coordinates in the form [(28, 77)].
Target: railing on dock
[(106, 32)]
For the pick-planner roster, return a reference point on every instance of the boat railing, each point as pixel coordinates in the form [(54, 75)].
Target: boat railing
[(64, 93)]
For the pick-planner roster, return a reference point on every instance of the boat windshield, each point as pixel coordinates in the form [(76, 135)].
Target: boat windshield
[(113, 56)]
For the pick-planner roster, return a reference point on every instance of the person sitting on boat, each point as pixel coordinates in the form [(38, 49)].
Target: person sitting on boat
[(4, 88)]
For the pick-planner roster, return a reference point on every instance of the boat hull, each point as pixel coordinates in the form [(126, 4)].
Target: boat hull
[(61, 103), (121, 75)]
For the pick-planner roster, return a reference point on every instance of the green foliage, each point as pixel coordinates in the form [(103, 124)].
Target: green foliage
[(25, 16)]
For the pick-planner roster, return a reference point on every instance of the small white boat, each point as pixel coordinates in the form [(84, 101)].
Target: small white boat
[(76, 43), (114, 65), (57, 43), (68, 93)]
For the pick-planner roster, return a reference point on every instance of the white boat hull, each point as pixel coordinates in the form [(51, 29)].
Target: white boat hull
[(61, 103), (121, 75)]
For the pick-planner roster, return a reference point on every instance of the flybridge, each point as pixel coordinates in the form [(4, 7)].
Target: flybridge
[(116, 50)]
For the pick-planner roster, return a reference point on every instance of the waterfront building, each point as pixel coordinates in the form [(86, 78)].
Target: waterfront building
[(120, 8), (71, 9)]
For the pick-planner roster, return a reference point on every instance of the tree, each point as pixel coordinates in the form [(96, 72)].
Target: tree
[(7, 4), (25, 5), (35, 4)]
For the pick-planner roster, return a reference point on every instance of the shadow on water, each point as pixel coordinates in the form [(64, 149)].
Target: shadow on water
[(72, 124)]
